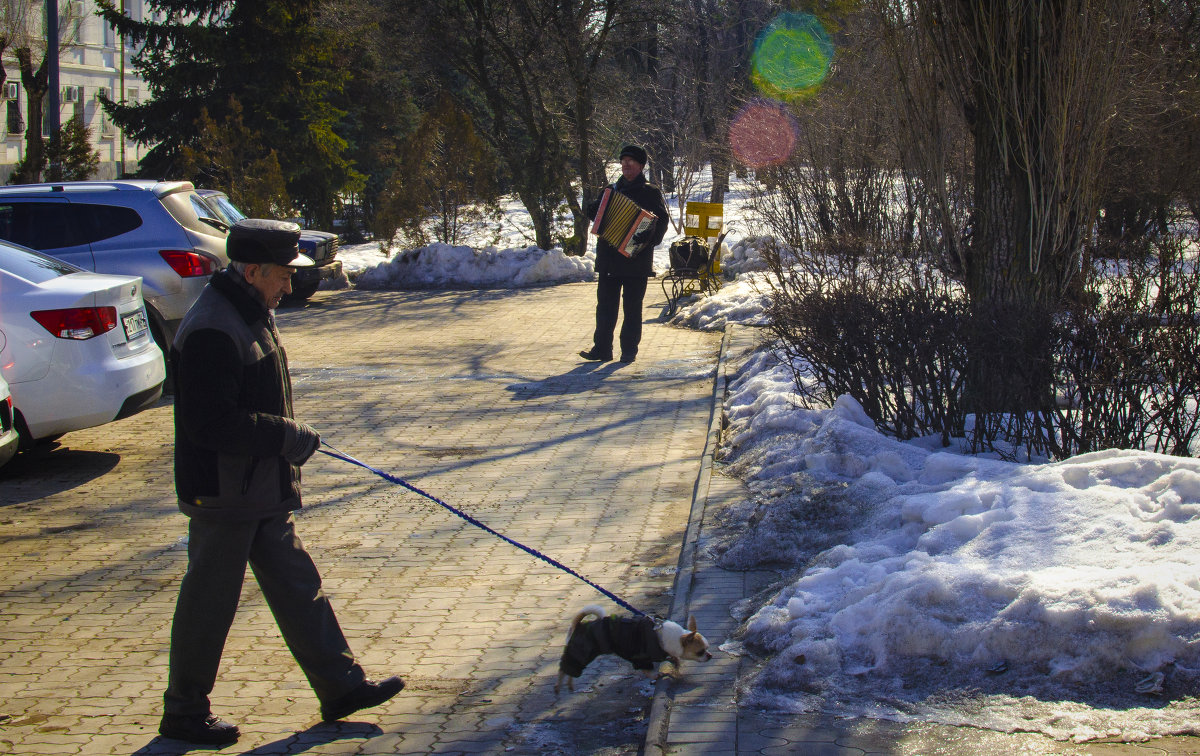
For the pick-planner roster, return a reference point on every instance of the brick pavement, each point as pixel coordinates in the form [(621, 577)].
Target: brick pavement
[(476, 397)]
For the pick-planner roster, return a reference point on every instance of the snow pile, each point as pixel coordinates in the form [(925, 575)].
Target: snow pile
[(745, 255), (443, 265), (741, 301), (1061, 598), (336, 282)]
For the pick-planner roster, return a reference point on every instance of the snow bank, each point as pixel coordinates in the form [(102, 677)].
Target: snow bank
[(442, 265), (1058, 597)]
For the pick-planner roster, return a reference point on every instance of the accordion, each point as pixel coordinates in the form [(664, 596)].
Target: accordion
[(618, 219)]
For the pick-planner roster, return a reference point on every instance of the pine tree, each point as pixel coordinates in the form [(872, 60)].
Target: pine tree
[(272, 56), (69, 154)]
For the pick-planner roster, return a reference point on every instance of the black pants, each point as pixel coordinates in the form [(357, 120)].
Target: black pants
[(611, 292), (218, 553)]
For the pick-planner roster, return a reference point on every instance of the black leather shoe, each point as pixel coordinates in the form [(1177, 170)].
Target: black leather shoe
[(628, 358), (592, 354), (366, 695), (209, 730)]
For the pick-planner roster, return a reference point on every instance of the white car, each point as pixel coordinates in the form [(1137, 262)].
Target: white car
[(75, 347), (8, 430)]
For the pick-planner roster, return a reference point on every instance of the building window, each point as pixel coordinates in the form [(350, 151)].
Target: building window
[(16, 124)]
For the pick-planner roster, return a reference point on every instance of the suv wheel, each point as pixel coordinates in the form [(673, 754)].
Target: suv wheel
[(300, 293), (158, 334)]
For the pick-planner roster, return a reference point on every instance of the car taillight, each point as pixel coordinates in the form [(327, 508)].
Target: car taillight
[(77, 322), (188, 264)]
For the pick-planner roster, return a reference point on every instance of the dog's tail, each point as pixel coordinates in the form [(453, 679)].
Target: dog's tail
[(591, 609)]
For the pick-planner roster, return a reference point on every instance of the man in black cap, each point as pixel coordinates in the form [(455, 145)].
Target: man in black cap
[(238, 453), (621, 279)]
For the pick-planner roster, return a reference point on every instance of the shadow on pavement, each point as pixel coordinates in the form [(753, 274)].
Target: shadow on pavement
[(580, 379), (313, 737), (51, 469)]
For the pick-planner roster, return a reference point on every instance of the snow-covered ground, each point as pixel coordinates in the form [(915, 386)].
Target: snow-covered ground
[(927, 584), (920, 583)]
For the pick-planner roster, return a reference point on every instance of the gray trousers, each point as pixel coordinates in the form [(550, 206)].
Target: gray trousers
[(218, 553)]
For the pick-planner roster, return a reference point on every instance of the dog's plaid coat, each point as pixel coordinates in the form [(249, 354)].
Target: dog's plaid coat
[(631, 638)]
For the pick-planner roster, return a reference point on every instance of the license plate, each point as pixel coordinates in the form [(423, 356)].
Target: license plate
[(135, 324)]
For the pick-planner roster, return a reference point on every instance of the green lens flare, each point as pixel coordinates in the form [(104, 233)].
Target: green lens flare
[(791, 56)]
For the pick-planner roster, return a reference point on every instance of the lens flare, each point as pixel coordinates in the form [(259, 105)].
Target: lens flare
[(791, 56), (762, 134)]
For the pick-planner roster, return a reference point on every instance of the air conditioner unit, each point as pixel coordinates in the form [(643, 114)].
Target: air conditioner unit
[(71, 93), (103, 92), (11, 90)]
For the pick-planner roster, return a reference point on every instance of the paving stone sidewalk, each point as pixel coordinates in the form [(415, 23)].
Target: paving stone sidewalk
[(477, 397)]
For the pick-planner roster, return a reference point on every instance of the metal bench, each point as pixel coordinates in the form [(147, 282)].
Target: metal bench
[(695, 266)]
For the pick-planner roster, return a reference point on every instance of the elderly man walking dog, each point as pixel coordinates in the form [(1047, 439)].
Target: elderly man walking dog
[(238, 453)]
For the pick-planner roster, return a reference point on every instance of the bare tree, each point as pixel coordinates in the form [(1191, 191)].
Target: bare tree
[(708, 82), (534, 75), (1034, 81), (14, 24), (26, 35), (1034, 84)]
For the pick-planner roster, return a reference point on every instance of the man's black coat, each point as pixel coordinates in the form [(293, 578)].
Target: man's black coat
[(233, 408)]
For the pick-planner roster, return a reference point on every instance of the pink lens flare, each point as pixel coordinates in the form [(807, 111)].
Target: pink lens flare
[(763, 134)]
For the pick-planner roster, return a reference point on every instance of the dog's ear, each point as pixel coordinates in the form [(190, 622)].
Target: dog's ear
[(692, 622)]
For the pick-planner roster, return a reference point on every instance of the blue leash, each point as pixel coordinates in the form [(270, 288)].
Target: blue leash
[(336, 454)]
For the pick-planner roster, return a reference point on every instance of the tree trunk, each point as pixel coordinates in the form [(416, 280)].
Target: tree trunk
[(1011, 302), (37, 84), (720, 176), (540, 216), (586, 167)]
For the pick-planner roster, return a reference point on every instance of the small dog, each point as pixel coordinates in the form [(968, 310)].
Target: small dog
[(642, 641)]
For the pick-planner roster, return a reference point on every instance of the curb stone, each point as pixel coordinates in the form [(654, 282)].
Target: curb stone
[(660, 709)]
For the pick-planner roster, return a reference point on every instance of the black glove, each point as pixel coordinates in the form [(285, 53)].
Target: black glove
[(299, 443), (639, 243)]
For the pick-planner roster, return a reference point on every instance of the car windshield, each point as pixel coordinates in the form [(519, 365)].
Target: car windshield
[(32, 266)]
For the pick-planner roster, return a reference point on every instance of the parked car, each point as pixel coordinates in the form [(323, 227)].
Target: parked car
[(9, 438), (161, 231), (75, 346), (321, 246)]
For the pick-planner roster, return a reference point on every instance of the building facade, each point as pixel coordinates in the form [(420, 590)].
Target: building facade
[(93, 60)]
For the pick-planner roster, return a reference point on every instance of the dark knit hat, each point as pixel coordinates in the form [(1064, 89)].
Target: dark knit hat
[(635, 152), (254, 240)]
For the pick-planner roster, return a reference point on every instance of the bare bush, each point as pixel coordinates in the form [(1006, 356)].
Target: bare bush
[(1127, 373), (886, 334), (1118, 361)]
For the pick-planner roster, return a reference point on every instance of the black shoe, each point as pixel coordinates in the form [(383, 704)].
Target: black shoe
[(209, 730), (592, 354), (628, 358), (366, 695)]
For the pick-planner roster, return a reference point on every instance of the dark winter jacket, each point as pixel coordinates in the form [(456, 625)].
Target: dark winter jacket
[(631, 638), (233, 407), (648, 196)]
